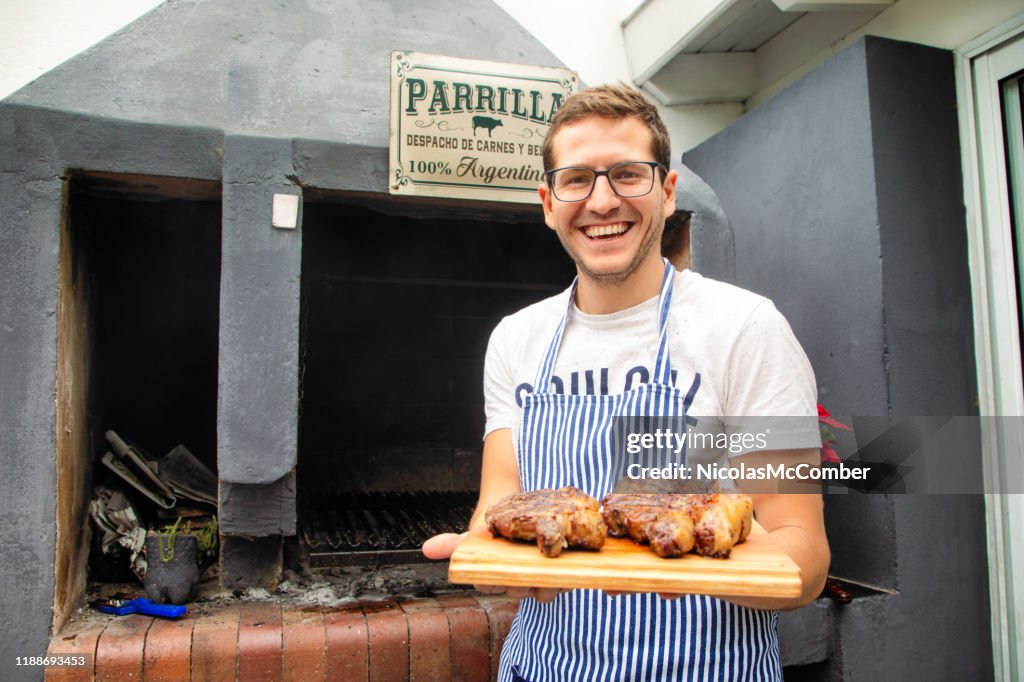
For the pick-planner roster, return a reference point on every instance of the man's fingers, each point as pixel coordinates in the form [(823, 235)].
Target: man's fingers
[(545, 595), (489, 589), (541, 594), (441, 546)]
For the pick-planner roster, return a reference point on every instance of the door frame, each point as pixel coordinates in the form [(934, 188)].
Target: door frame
[(980, 65)]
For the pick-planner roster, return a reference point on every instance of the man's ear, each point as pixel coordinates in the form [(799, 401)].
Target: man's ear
[(669, 189), (545, 201)]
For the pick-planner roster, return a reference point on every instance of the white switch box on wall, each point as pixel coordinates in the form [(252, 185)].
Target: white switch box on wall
[(286, 211)]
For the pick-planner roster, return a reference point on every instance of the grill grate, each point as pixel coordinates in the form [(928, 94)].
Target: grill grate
[(353, 528)]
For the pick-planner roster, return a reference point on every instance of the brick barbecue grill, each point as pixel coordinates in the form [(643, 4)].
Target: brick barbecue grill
[(155, 284)]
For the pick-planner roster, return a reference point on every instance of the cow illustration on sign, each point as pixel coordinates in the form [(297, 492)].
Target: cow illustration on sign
[(485, 122)]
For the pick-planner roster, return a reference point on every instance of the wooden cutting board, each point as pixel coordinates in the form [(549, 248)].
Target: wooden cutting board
[(757, 568)]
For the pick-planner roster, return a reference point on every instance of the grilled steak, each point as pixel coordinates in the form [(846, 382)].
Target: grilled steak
[(725, 521), (674, 524), (630, 514), (556, 519)]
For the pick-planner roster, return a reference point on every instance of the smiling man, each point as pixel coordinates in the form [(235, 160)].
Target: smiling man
[(610, 234), (632, 336)]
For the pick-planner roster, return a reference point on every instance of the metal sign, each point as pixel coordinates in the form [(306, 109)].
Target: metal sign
[(470, 129)]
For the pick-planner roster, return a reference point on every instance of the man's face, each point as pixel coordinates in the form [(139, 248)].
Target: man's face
[(631, 228)]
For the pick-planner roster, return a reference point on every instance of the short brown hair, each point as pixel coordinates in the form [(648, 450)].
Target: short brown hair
[(609, 101)]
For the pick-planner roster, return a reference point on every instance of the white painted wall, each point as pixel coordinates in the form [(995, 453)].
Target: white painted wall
[(948, 24), (587, 36), (37, 35)]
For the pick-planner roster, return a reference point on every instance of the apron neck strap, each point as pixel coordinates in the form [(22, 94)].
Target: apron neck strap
[(662, 365)]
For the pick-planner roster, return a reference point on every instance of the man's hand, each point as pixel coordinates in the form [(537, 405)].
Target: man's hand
[(499, 477), (796, 522), (442, 546)]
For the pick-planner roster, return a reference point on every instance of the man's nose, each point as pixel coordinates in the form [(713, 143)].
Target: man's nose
[(603, 198)]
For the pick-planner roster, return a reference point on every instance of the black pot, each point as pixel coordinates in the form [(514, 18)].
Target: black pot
[(172, 572)]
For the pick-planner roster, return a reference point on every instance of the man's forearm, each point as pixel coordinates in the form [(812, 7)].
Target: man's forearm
[(795, 522), (812, 559), (499, 475)]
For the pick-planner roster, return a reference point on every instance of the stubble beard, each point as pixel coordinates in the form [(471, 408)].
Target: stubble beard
[(613, 278)]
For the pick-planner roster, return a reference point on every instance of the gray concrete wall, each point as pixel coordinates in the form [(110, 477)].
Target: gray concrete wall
[(844, 194), (797, 179), (37, 147), (259, 313), (29, 232)]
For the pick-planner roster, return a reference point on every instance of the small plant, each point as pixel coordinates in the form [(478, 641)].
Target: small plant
[(206, 537), (170, 533)]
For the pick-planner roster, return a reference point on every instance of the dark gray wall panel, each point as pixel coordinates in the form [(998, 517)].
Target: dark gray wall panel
[(795, 178), (49, 142), (844, 193), (257, 510), (712, 244), (930, 360), (29, 232), (38, 146), (924, 235), (257, 414), (354, 167)]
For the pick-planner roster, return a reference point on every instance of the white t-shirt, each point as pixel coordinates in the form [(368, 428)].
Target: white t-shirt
[(751, 364)]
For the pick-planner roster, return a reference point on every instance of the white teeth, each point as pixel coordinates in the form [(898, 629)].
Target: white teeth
[(593, 231)]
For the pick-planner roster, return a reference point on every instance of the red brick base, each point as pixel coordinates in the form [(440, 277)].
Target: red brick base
[(453, 637)]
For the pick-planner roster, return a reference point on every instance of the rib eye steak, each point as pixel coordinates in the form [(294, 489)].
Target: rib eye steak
[(675, 524), (566, 517)]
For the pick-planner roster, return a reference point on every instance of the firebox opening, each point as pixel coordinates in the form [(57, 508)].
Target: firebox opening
[(137, 342), (397, 311)]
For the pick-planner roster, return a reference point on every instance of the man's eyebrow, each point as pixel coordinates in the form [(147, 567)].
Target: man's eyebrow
[(606, 167)]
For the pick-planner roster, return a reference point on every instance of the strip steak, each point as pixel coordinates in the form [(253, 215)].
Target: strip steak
[(712, 524), (555, 519)]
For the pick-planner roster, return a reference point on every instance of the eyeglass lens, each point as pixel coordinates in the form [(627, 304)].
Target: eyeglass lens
[(626, 179)]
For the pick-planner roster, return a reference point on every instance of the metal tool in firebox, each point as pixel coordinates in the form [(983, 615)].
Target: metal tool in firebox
[(176, 475), (133, 468)]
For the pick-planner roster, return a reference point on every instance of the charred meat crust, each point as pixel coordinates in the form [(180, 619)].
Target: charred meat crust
[(672, 524), (712, 524), (555, 519)]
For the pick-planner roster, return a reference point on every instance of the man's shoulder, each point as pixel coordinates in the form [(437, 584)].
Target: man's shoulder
[(543, 313), (722, 299), (544, 310)]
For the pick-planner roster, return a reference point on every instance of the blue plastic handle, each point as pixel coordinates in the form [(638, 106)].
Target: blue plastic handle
[(144, 606)]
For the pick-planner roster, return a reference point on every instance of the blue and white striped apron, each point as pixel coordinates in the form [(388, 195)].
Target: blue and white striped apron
[(585, 634)]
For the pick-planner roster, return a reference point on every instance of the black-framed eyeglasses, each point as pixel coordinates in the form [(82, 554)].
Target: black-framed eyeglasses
[(629, 179)]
